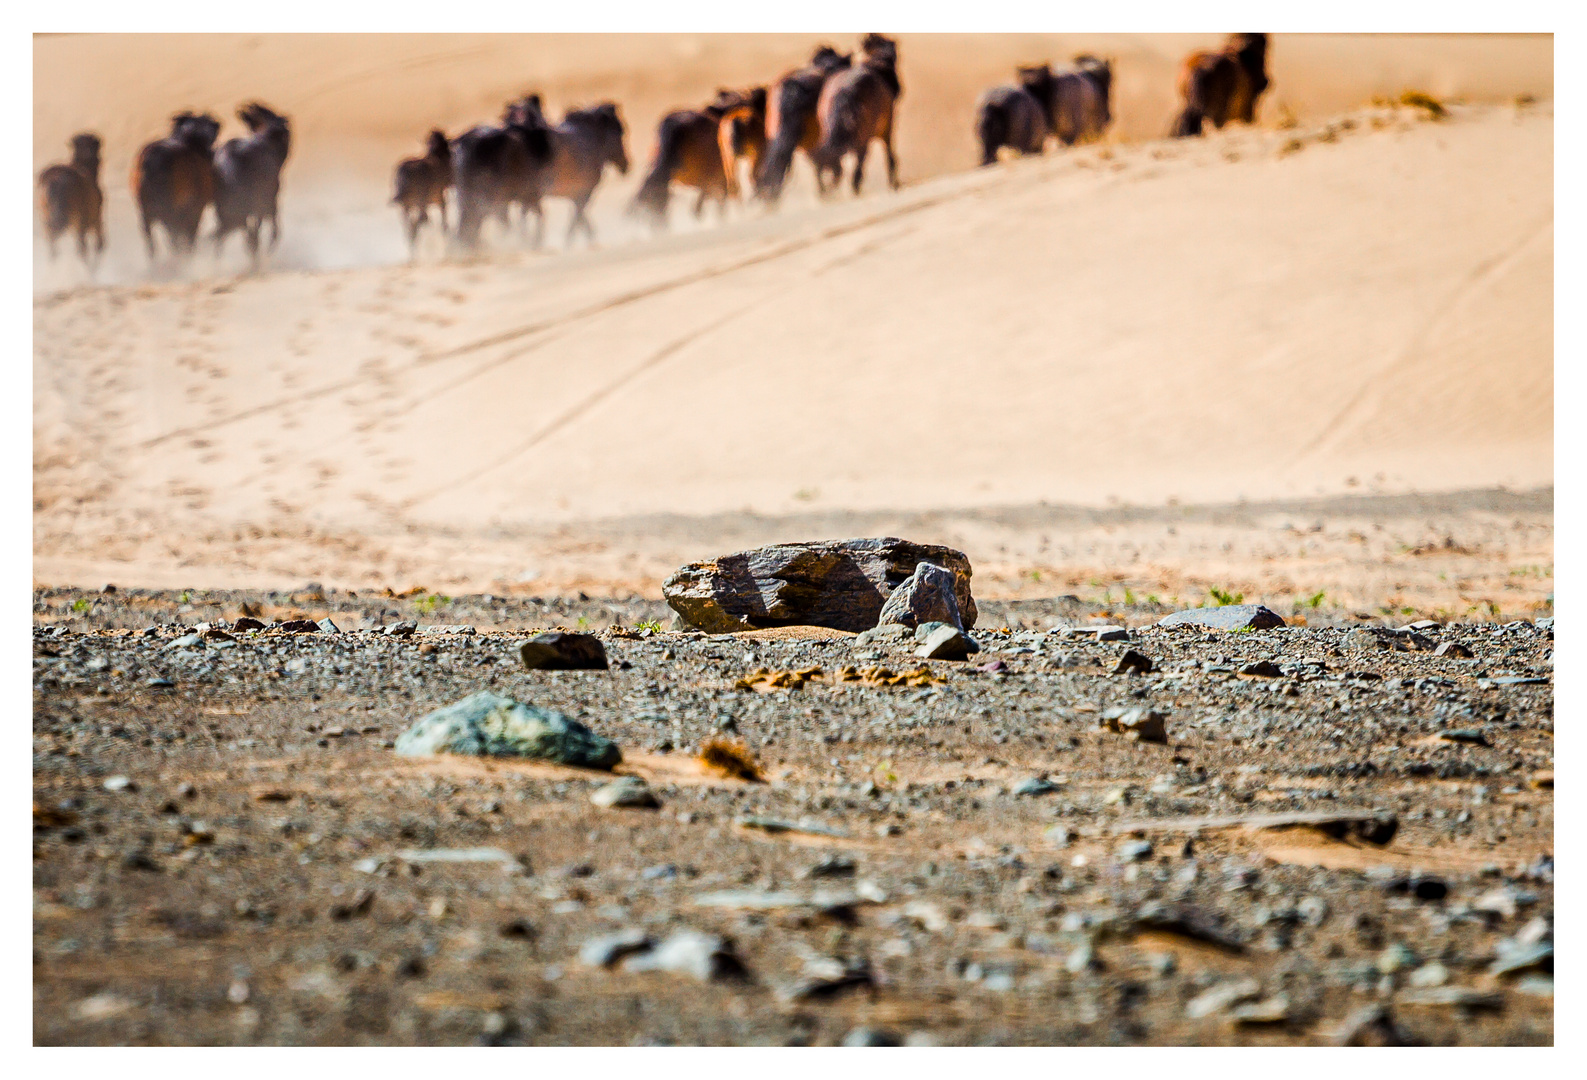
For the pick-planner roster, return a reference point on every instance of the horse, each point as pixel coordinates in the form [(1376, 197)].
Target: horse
[(581, 147), (688, 152), (248, 178), (1222, 86), (1074, 102), (173, 180), (1010, 116), (497, 167), (70, 198), (422, 182), (791, 122), (741, 134), (855, 107)]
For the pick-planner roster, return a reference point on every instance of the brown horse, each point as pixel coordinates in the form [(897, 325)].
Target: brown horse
[(791, 122), (422, 182), (248, 178), (856, 106), (1222, 86), (688, 152), (173, 180), (70, 198), (741, 134), (582, 146)]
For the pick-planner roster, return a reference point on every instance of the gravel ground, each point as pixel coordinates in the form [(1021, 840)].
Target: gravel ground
[(227, 849)]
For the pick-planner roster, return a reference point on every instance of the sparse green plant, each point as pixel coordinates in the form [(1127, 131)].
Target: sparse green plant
[(82, 605), (653, 625), (1151, 598), (1129, 597), (1225, 597), (1035, 575), (1315, 600), (583, 622), (185, 598), (428, 604)]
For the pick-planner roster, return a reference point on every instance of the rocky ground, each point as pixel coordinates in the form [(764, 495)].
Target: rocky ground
[(228, 850)]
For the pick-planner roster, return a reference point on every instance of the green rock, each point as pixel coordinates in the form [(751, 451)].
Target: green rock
[(491, 725)]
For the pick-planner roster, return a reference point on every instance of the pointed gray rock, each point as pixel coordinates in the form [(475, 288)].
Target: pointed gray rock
[(1230, 617), (491, 725), (924, 596)]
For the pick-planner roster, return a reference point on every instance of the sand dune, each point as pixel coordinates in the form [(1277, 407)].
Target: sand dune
[(1360, 302)]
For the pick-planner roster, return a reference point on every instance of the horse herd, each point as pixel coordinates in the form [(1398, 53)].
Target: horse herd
[(831, 109)]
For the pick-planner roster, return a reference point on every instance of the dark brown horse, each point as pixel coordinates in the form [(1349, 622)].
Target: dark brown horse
[(497, 167), (422, 182), (741, 134), (1074, 102), (582, 146), (1010, 116), (791, 122), (1222, 86), (173, 180), (688, 153), (248, 178), (70, 198), (856, 107)]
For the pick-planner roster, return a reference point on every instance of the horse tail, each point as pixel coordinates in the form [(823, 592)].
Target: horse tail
[(991, 127), (651, 198), (57, 197), (794, 104)]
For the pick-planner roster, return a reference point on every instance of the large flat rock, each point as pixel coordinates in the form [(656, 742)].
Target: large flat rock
[(841, 584), (1230, 617)]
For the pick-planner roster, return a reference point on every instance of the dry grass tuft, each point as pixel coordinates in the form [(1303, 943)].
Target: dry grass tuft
[(730, 759), (1426, 102)]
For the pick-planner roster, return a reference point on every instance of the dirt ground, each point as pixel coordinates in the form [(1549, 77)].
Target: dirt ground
[(228, 850)]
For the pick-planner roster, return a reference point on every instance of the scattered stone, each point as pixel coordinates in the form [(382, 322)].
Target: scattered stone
[(1261, 669), (777, 825), (1097, 633), (1273, 1010), (446, 629), (1514, 680), (492, 725), (1058, 836), (841, 584), (1370, 1025), (401, 629), (1463, 997), (1396, 957), (186, 641), (459, 855), (731, 760), (1139, 723), (608, 949), (706, 957), (1511, 956), (1470, 736), (926, 595), (1187, 922), (927, 914), (947, 643), (119, 783), (627, 791), (834, 865), (1134, 850), (1536, 985), (1373, 826), (869, 1036), (102, 1006), (1430, 974), (1035, 785), (326, 626), (1367, 639), (884, 635), (299, 626), (826, 977), (1453, 649), (247, 622), (1133, 663), (561, 651), (1222, 996), (1229, 617)]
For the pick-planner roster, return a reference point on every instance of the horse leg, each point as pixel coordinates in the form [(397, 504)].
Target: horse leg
[(859, 164), (275, 229), (540, 224), (892, 159), (251, 232), (699, 205), (148, 235)]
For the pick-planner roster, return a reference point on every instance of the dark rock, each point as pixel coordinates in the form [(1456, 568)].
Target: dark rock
[(1099, 632), (1261, 669), (559, 651), (925, 596), (299, 626), (1133, 663), (947, 643), (492, 725), (1367, 639), (1145, 725), (1454, 649), (247, 622), (1231, 617), (1370, 1025), (841, 584), (707, 957), (401, 629), (1187, 922), (607, 949), (1469, 736), (1034, 785)]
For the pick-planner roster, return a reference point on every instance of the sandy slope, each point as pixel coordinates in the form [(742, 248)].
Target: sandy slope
[(1265, 314)]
